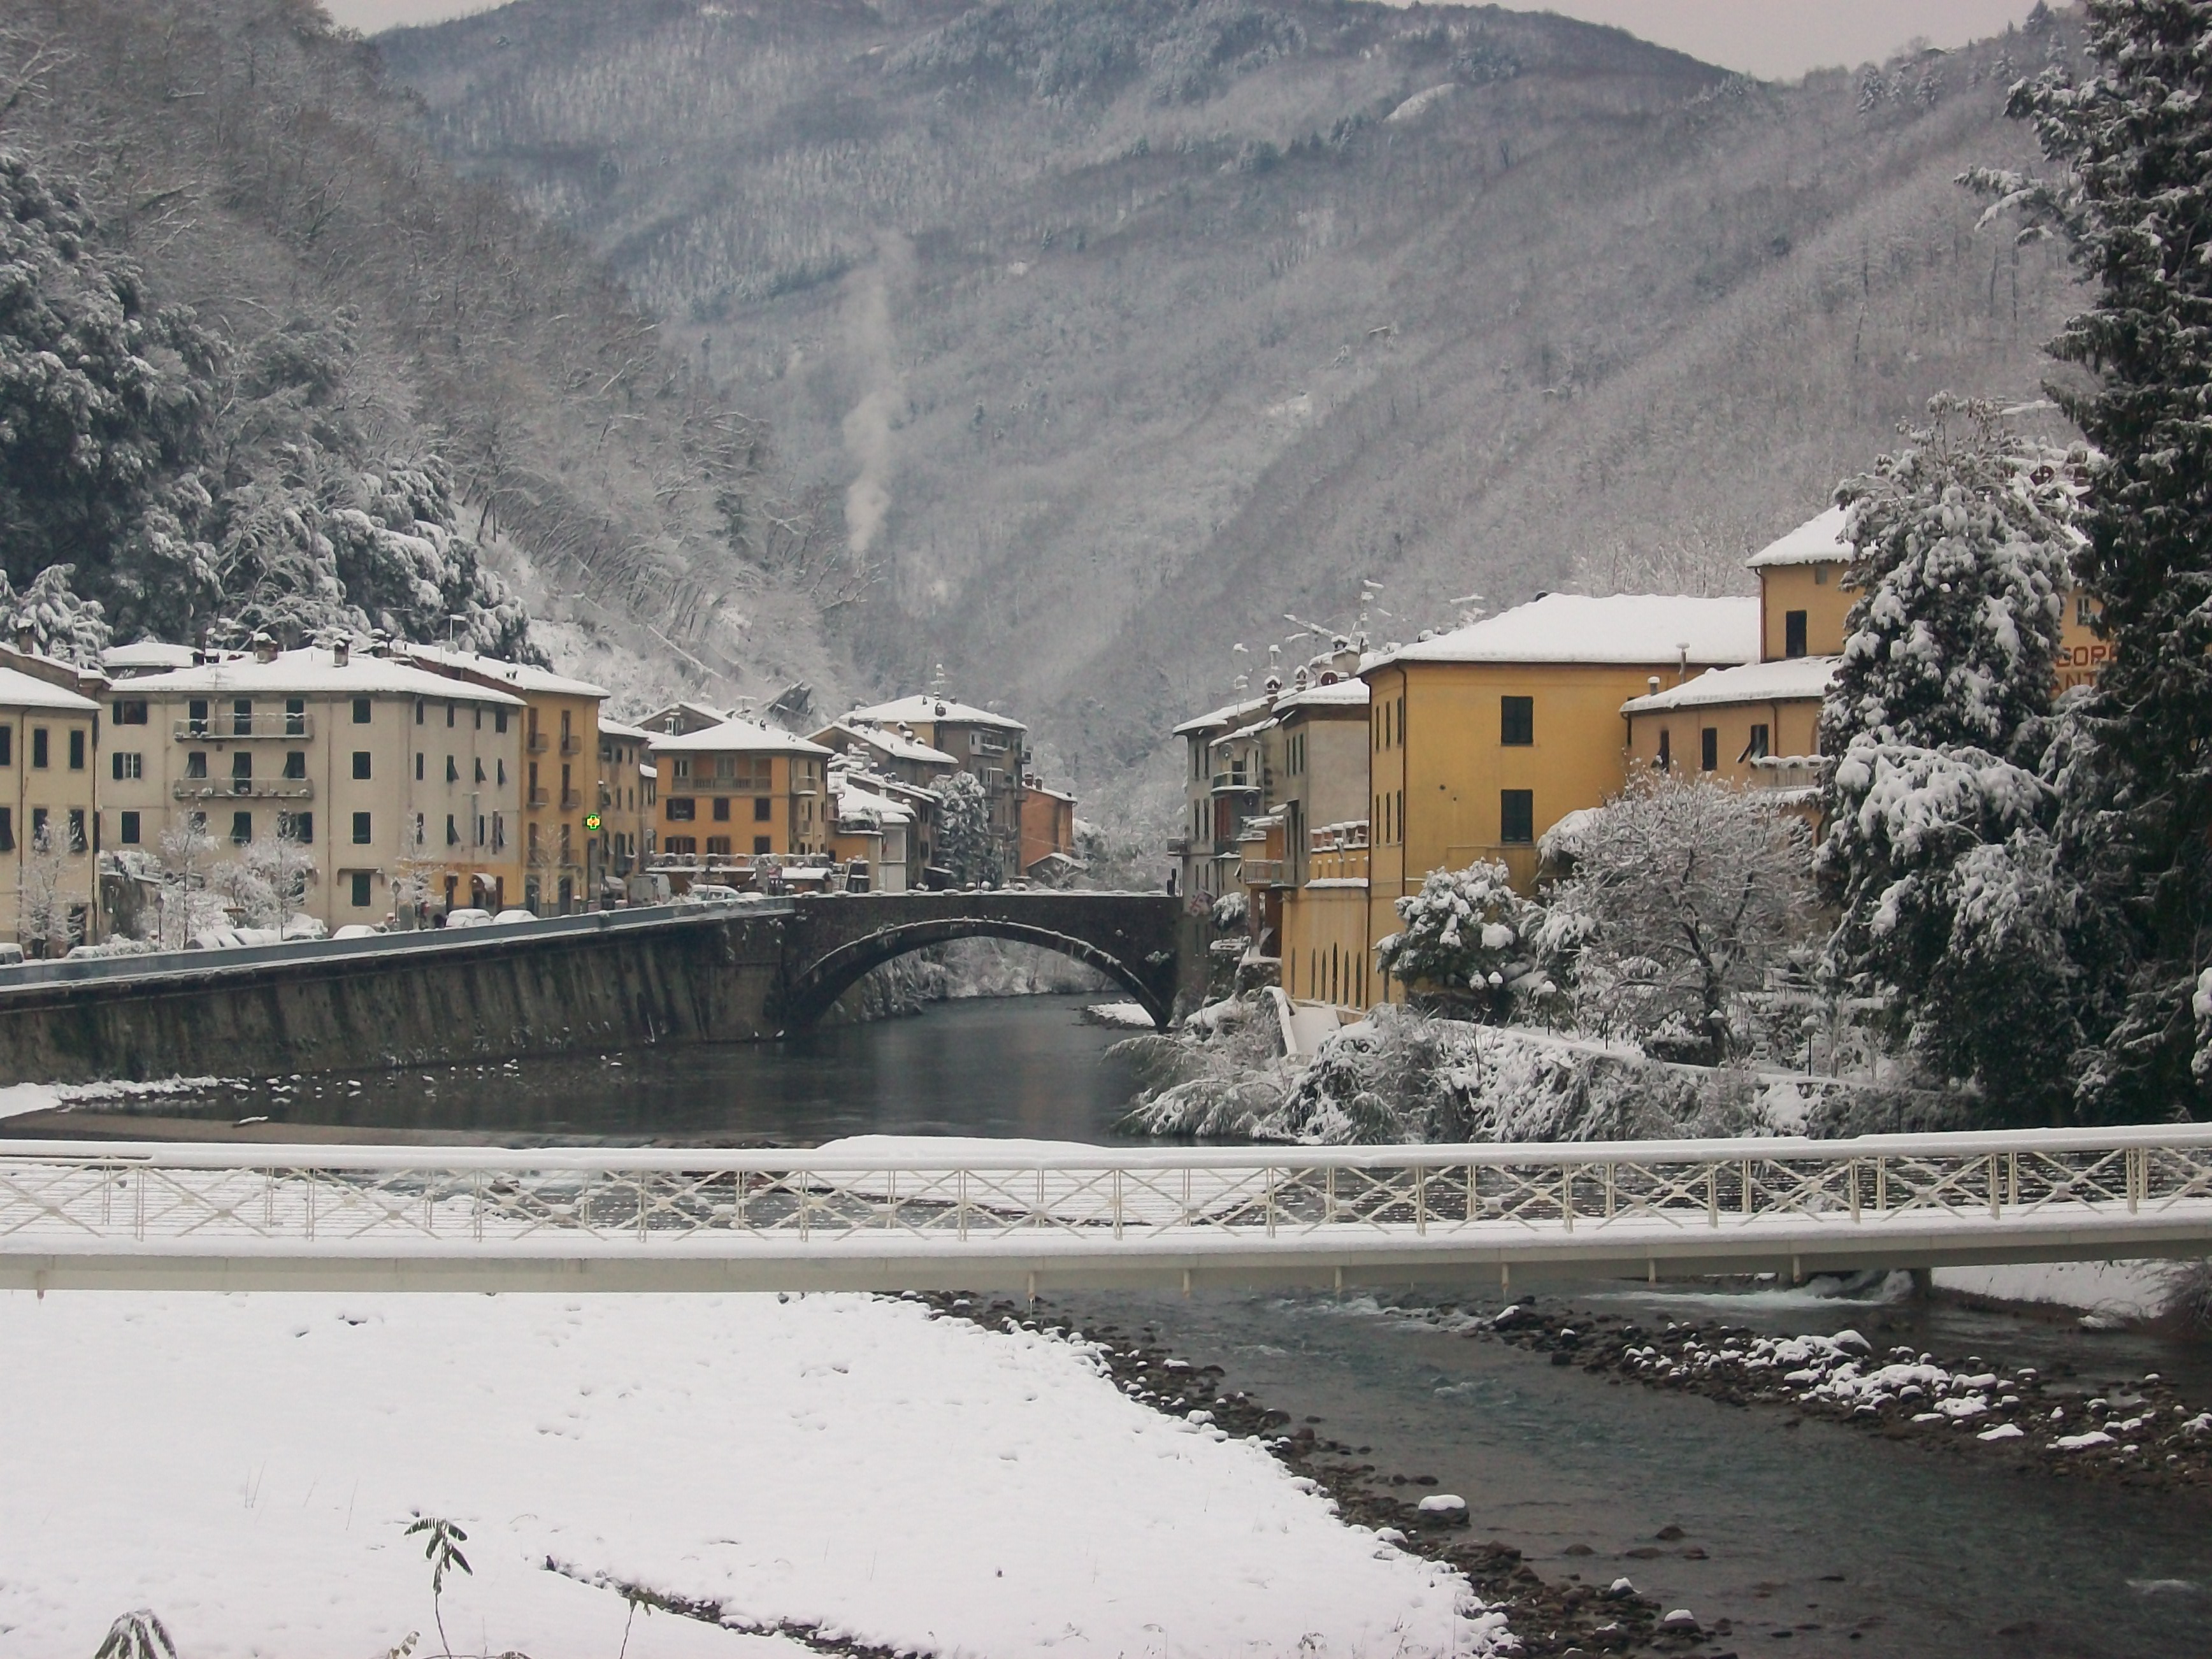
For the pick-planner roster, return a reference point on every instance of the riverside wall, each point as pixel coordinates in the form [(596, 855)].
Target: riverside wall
[(481, 996)]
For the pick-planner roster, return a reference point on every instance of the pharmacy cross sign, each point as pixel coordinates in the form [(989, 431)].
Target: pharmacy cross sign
[(591, 822)]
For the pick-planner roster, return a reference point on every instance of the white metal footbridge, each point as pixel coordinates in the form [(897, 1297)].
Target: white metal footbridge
[(142, 1215)]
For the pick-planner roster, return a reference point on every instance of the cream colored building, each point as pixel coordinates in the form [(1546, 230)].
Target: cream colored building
[(627, 777), (381, 772), (49, 822)]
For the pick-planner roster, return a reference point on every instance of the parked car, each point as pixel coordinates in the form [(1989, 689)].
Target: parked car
[(513, 912), (357, 930), (712, 893), (470, 917)]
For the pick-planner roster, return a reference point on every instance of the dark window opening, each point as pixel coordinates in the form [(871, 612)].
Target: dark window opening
[(1516, 816), (76, 751), (721, 809), (39, 746), (127, 827), (130, 712), (241, 828), (763, 809), (682, 810), (1517, 721), (360, 716), (1793, 633), (361, 832), (360, 890), (760, 845), (361, 763), (295, 763), (1708, 749), (1757, 748), (1666, 749)]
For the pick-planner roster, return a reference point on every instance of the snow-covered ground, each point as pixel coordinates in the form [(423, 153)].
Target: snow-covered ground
[(244, 1465), (2116, 1290), (17, 1099)]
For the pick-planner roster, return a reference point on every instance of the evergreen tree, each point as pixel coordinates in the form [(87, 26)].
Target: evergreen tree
[(2135, 200), (1937, 849), (964, 843), (1466, 934)]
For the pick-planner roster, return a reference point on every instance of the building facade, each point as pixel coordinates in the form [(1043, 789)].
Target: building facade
[(736, 793), (990, 747), (50, 830)]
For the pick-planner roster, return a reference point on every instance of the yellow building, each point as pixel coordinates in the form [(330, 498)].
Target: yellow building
[(1482, 739), (561, 772), (736, 793), (626, 807), (49, 823), (398, 784)]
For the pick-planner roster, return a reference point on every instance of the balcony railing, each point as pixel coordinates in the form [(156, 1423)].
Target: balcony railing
[(1177, 846), (219, 727), (539, 798), (1786, 772), (537, 743), (1238, 779), (244, 789), (571, 801), (572, 746), (1264, 873)]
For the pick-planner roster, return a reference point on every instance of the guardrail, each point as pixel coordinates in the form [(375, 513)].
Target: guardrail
[(195, 1215), (154, 965)]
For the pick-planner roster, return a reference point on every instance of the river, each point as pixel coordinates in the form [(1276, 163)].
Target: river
[(1814, 1539)]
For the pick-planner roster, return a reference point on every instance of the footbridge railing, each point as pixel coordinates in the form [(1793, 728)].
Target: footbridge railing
[(915, 1214)]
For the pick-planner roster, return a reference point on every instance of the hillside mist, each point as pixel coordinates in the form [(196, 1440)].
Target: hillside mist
[(1120, 328)]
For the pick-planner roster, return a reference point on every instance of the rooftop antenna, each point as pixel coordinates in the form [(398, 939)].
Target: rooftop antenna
[(937, 682)]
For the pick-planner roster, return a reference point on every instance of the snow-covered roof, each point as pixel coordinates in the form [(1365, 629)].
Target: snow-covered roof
[(1229, 715), (697, 713), (146, 656), (1342, 694), (893, 743), (21, 691), (523, 677), (621, 729), (854, 802), (736, 735), (1621, 627), (312, 670), (925, 710), (1816, 541), (1792, 679), (1057, 794)]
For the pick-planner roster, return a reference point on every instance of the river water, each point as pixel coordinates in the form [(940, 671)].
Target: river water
[(1816, 1540)]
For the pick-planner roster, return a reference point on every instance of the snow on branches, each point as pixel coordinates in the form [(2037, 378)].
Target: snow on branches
[(1466, 931)]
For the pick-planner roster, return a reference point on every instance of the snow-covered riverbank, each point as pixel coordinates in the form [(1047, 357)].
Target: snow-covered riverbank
[(244, 1467)]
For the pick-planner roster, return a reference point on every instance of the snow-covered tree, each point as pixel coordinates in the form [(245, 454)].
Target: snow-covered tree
[(1937, 849), (1466, 934), (1685, 894), (965, 846), (42, 922), (2133, 197), (282, 868), (60, 622), (186, 908)]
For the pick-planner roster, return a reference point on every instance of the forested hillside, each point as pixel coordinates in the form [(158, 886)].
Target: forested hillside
[(265, 363), (1125, 327)]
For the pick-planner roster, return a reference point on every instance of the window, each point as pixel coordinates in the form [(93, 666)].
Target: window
[(418, 711), (1708, 749), (1516, 816), (361, 763), (360, 890), (760, 845), (131, 711), (242, 717), (499, 720), (1758, 747), (7, 829), (449, 712), (295, 717), (126, 827), (126, 767), (418, 830), (479, 712), (682, 845), (39, 746), (196, 716), (2084, 610), (361, 836), (453, 831), (296, 827), (480, 771), (418, 766), (196, 764), (37, 826), (682, 810), (1793, 633), (1517, 721), (680, 769), (498, 832), (76, 842), (1666, 749), (295, 764), (76, 750), (500, 767), (1820, 575), (241, 828), (721, 809), (361, 712), (7, 746), (718, 847), (763, 809), (241, 771), (452, 770)]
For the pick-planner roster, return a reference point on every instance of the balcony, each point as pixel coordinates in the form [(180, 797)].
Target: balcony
[(1178, 846), (1264, 873), (537, 743), (571, 801), (1786, 772), (538, 797), (219, 728), (1234, 781), (571, 746), (244, 789)]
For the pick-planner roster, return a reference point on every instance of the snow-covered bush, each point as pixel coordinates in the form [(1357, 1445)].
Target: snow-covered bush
[(1467, 935), (1395, 1077), (1686, 895), (1231, 910), (964, 843), (1220, 1075)]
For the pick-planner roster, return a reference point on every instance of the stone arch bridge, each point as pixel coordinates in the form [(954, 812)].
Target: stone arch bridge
[(1136, 940)]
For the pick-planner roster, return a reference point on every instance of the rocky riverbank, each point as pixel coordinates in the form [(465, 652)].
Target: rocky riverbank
[(2137, 1431), (1549, 1618)]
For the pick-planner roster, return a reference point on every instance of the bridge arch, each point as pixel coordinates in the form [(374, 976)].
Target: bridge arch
[(814, 989)]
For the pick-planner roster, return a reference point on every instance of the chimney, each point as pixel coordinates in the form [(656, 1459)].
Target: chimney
[(1682, 663), (341, 650), (265, 647), (26, 637), (1654, 691)]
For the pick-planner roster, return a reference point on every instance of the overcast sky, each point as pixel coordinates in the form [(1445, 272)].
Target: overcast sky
[(1775, 39)]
